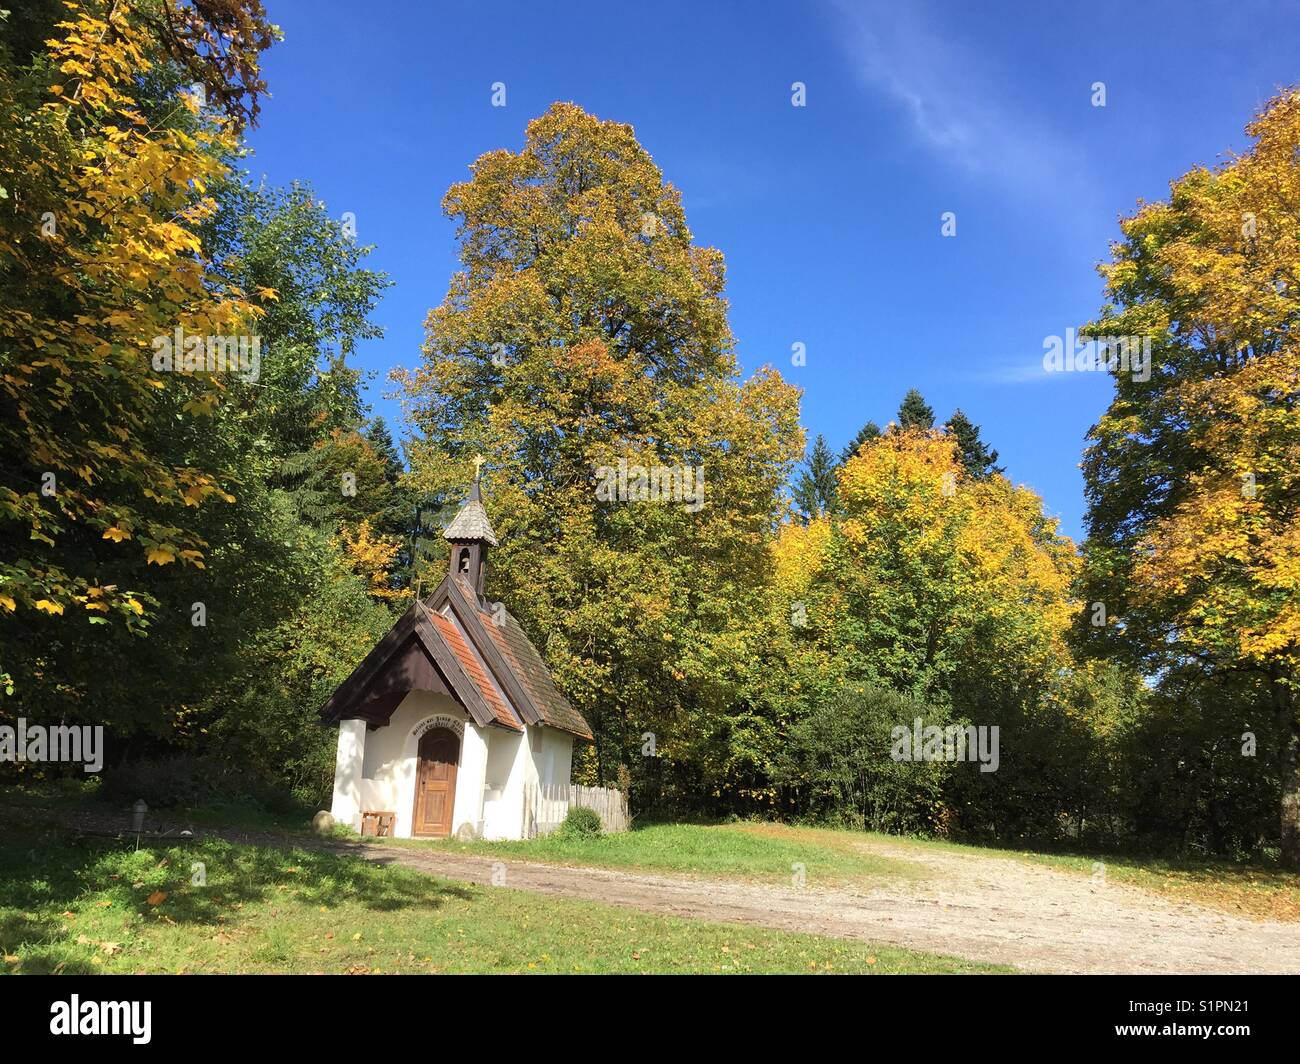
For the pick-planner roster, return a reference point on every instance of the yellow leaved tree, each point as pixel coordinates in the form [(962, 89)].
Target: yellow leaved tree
[(1193, 476), (102, 198)]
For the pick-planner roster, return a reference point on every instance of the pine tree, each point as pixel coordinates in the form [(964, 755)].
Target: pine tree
[(814, 491), (914, 412), (869, 431), (978, 461)]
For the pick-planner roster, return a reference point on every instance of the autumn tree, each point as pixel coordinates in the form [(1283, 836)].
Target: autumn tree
[(170, 504), (952, 589), (586, 328), (100, 253), (1192, 475)]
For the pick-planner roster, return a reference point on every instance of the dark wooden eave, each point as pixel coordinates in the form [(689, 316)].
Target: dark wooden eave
[(412, 656)]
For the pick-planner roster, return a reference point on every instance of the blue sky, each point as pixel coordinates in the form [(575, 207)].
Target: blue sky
[(829, 215)]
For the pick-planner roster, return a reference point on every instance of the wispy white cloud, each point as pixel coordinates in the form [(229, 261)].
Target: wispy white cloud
[(1032, 373), (957, 106)]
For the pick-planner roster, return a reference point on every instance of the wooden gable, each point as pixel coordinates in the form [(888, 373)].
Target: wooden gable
[(419, 653)]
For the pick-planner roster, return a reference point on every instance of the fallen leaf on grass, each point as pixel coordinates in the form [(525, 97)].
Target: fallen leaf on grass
[(157, 897)]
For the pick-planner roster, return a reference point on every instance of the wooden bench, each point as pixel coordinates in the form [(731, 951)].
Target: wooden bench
[(379, 823)]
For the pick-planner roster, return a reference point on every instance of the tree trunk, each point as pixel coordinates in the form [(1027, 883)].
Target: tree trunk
[(1284, 700), (1291, 798)]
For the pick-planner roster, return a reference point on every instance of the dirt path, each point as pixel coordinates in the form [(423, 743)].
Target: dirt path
[(979, 907), (983, 908)]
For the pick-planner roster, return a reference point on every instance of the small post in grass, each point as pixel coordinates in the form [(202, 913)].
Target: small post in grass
[(137, 819)]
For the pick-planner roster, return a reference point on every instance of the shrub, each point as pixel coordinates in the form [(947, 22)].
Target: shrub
[(838, 760), (581, 823), (190, 780)]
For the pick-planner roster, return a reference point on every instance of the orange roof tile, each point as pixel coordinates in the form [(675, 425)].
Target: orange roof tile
[(474, 670)]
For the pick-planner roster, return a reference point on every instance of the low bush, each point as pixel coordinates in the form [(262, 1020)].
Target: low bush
[(580, 822)]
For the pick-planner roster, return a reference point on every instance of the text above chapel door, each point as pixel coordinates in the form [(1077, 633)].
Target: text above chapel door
[(435, 782)]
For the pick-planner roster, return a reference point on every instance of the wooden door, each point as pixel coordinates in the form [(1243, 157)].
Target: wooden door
[(435, 782)]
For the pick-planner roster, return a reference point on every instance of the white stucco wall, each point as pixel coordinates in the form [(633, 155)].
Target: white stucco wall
[(348, 759), (503, 796), (550, 756), (556, 757), (470, 777), (375, 769)]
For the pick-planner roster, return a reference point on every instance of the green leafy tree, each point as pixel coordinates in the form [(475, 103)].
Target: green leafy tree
[(585, 328), (1193, 551)]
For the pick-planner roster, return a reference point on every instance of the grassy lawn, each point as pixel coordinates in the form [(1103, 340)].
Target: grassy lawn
[(753, 852), (85, 906)]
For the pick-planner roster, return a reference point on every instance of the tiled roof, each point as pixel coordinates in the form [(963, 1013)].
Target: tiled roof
[(532, 672), (471, 522), (469, 661)]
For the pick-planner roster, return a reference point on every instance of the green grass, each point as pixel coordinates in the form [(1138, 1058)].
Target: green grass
[(767, 852), (75, 795), (84, 906), (762, 853)]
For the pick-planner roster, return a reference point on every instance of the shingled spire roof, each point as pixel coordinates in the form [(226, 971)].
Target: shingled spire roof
[(471, 523)]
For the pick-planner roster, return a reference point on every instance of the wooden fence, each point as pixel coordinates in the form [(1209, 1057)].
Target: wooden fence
[(546, 806)]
